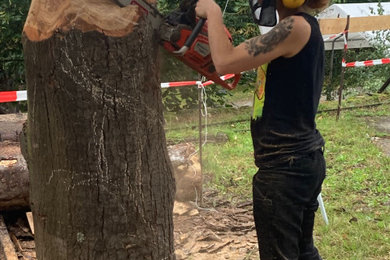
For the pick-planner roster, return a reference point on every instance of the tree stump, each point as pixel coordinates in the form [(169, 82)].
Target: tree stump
[(100, 177)]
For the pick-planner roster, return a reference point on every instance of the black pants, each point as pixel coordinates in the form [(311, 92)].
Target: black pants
[(284, 205)]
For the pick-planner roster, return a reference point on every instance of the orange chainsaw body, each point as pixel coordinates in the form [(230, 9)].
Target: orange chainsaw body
[(198, 56)]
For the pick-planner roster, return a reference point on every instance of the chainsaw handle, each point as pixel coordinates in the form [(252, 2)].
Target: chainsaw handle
[(190, 40), (233, 85), (221, 81)]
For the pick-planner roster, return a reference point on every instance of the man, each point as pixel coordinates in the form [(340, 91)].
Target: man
[(287, 146)]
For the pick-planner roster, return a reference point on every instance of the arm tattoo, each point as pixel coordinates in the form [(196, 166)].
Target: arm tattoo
[(267, 42)]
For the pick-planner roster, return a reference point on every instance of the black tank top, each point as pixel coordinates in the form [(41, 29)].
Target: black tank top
[(287, 128)]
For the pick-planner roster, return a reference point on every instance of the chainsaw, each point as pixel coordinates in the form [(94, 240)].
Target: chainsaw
[(185, 37)]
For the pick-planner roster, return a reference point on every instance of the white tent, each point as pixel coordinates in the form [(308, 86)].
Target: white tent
[(355, 40)]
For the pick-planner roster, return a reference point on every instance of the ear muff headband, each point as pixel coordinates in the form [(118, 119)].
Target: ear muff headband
[(292, 4), (267, 10)]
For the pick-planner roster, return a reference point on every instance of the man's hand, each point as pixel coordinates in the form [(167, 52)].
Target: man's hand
[(206, 7)]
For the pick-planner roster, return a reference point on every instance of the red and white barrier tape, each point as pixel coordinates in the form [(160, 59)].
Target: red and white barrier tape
[(12, 96), (365, 63), (334, 36), (225, 77), (193, 83), (345, 42), (180, 84)]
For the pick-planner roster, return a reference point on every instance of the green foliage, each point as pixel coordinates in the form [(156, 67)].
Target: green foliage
[(357, 80), (238, 20), (12, 16)]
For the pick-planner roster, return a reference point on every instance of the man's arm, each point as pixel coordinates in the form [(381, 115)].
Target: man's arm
[(286, 39)]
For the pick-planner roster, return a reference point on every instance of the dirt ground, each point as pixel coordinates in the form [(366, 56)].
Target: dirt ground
[(217, 230), (382, 124), (221, 232)]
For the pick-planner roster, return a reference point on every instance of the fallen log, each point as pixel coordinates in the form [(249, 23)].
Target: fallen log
[(11, 126), (14, 179)]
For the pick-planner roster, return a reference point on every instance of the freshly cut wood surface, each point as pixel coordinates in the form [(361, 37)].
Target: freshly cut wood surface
[(47, 16), (30, 221)]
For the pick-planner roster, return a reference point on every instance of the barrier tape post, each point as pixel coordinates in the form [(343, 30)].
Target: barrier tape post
[(335, 38), (200, 86), (343, 68)]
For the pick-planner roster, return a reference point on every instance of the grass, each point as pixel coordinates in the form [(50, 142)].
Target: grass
[(356, 191)]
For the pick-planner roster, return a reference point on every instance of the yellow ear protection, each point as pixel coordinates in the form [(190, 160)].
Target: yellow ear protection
[(292, 4)]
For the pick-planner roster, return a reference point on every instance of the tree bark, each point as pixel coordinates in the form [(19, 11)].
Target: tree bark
[(101, 181)]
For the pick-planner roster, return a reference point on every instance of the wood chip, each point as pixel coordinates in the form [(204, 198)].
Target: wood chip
[(16, 242), (209, 236), (30, 221), (205, 249), (245, 204), (6, 244), (221, 246)]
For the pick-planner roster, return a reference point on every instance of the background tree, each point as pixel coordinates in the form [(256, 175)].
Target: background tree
[(101, 184), (12, 16)]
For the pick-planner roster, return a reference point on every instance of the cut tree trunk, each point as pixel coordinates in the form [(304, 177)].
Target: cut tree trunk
[(14, 181), (101, 183)]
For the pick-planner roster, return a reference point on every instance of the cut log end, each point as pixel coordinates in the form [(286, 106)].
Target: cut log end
[(46, 17), (14, 178)]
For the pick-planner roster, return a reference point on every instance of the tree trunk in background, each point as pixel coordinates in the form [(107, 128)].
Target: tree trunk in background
[(101, 184), (384, 86)]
